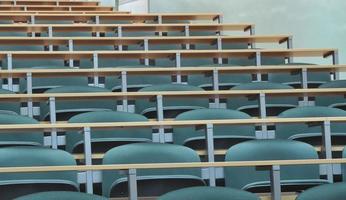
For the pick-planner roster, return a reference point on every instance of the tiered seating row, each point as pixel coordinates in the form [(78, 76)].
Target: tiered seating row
[(50, 2)]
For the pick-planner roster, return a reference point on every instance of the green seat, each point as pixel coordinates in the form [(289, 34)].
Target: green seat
[(343, 170), (336, 191), (136, 82), (294, 79), (150, 182), (250, 104), (333, 100), (311, 133), (61, 195), (19, 138), (171, 106), (103, 140), (67, 108), (14, 185), (226, 81), (293, 178), (9, 107), (224, 135), (39, 85), (209, 193)]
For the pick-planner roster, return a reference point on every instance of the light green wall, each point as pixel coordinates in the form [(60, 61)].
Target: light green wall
[(313, 23)]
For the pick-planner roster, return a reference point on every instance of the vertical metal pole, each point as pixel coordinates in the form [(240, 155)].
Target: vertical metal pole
[(263, 112), (146, 48), (120, 34), (132, 184), (160, 117), (96, 66), (178, 65), (258, 64), (305, 85), (327, 148), (88, 159), (290, 46), (275, 182), (29, 91), (187, 34), (14, 2), (124, 89), (70, 48), (50, 35), (159, 20), (97, 21), (52, 115), (252, 32), (336, 62), (210, 153), (219, 47), (32, 19), (216, 87), (10, 67)]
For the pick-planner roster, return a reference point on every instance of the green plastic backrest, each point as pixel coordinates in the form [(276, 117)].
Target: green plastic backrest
[(344, 166), (334, 191), (15, 107), (137, 81), (61, 195), (74, 138), (257, 150), (30, 156), (17, 137), (48, 83), (147, 153), (181, 134), (237, 102), (289, 78), (285, 131), (188, 103), (82, 105), (229, 79), (332, 100), (209, 193)]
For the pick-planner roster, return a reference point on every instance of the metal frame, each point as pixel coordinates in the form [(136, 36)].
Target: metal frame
[(275, 184), (29, 91), (290, 46), (96, 66), (210, 152), (304, 75), (120, 34), (88, 159), (216, 87), (327, 148), (9, 67), (187, 34), (132, 184), (160, 117), (124, 89), (52, 115), (258, 64), (178, 65)]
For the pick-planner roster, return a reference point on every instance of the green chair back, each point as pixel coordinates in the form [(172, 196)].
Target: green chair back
[(334, 191), (9, 106), (209, 193), (159, 181), (250, 178), (67, 108), (224, 135), (103, 140), (14, 185), (171, 106), (61, 195), (335, 101), (17, 137), (250, 104)]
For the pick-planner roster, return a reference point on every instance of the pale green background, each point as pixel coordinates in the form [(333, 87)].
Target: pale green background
[(313, 23)]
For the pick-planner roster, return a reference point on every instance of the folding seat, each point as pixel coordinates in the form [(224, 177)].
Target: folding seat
[(14, 185), (150, 182), (136, 82), (39, 85), (332, 100), (224, 135), (311, 133), (171, 106), (334, 191), (103, 140), (226, 81), (17, 138), (67, 108), (250, 104), (61, 195), (8, 107), (295, 79), (293, 178), (209, 193)]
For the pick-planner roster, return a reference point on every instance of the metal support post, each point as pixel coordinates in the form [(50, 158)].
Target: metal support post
[(258, 64), (10, 67), (210, 153), (124, 89), (96, 66), (88, 159), (32, 19), (52, 115), (146, 48), (263, 112), (275, 182), (132, 184), (327, 148), (178, 65), (120, 34), (219, 47), (187, 34), (290, 46), (50, 34), (160, 117), (252, 32), (216, 87), (336, 62), (29, 91), (305, 85)]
